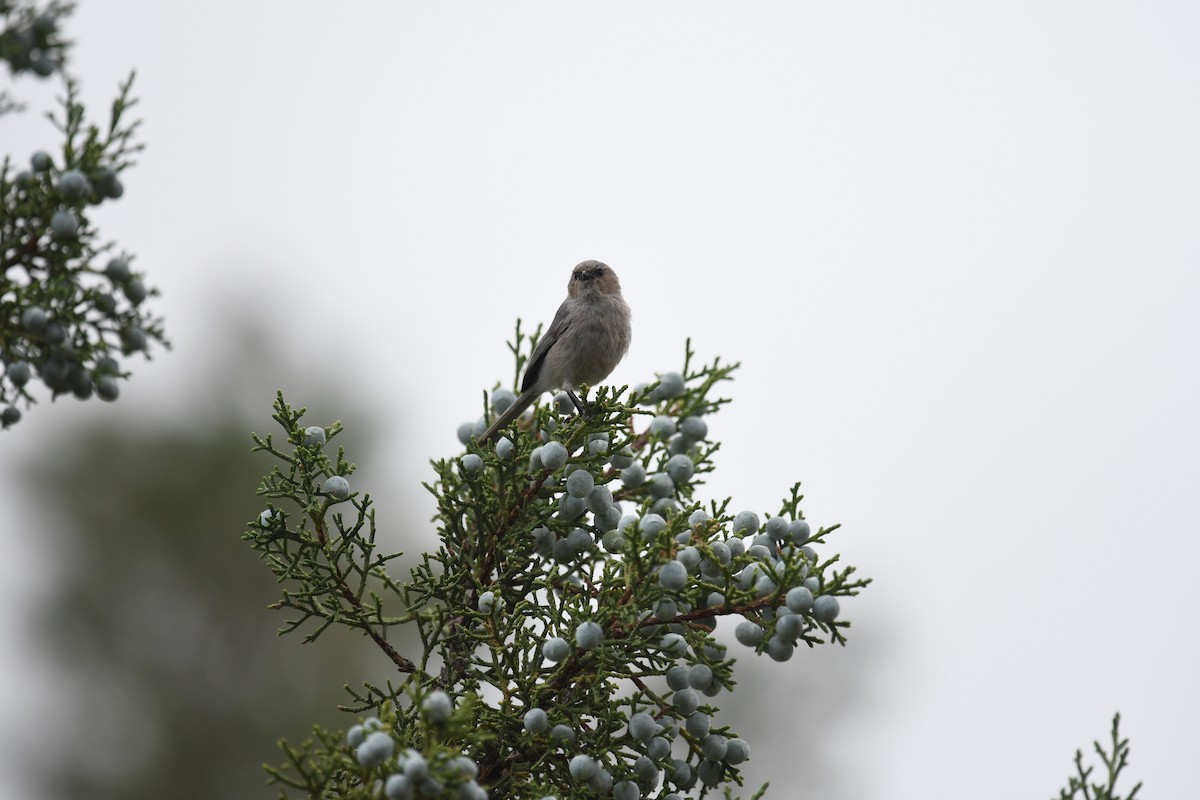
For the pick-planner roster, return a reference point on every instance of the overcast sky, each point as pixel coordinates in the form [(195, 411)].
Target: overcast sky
[(954, 246)]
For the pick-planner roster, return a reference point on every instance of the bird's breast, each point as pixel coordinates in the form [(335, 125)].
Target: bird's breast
[(602, 337)]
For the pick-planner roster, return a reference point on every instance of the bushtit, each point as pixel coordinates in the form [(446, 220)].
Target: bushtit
[(588, 337)]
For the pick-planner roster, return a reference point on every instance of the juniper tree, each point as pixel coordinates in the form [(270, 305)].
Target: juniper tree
[(71, 304), (567, 617)]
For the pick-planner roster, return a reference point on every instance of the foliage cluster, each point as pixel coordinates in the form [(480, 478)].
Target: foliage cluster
[(1081, 785), (71, 305), (567, 617)]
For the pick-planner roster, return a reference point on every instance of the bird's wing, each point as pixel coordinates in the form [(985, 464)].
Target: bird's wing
[(562, 321)]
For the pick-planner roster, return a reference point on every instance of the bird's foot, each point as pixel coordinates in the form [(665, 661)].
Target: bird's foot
[(579, 406)]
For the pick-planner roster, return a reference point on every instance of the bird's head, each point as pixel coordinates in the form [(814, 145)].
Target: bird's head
[(593, 277)]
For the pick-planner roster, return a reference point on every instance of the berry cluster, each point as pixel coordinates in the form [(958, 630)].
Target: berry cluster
[(411, 773), (30, 41)]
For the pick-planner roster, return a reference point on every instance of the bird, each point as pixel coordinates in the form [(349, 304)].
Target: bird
[(589, 336)]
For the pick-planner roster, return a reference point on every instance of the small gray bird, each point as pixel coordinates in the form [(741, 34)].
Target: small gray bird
[(587, 339)]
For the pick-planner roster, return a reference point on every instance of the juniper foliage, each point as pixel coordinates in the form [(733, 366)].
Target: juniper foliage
[(570, 622), (1114, 761), (71, 303)]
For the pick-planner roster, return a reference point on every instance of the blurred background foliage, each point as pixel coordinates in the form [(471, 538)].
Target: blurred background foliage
[(154, 620)]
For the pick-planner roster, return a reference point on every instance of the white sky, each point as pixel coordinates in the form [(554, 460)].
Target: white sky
[(954, 246)]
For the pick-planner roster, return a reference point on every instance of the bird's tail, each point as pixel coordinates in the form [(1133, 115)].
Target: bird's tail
[(512, 412)]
